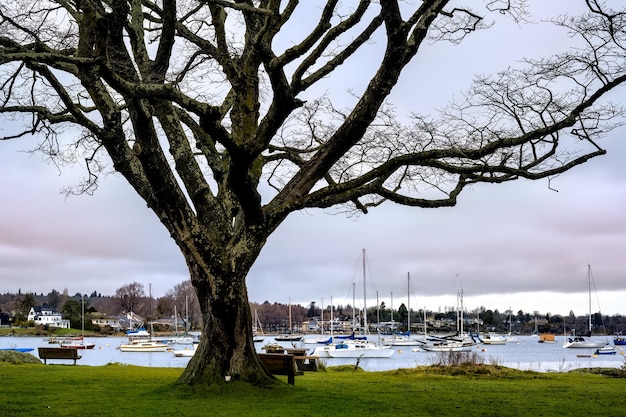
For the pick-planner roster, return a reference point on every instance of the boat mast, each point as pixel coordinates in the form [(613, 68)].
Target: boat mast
[(175, 320), (332, 324), (364, 298), (82, 314), (589, 283), (392, 330), (353, 310), (290, 326), (408, 303), (322, 316)]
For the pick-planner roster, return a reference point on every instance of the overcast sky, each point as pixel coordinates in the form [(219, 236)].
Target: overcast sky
[(520, 245)]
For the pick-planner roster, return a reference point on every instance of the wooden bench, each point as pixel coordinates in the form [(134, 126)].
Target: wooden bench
[(281, 364), (304, 362), (307, 363), (46, 353)]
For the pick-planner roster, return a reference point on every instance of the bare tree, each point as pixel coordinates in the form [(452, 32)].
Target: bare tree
[(130, 297), (183, 296), (196, 102)]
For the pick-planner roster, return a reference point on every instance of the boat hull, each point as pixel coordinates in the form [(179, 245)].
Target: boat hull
[(356, 351), (143, 347), (448, 347), (582, 343)]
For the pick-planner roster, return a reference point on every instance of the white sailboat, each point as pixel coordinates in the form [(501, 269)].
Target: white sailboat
[(403, 339), (574, 341), (510, 338), (459, 343), (259, 335), (143, 343), (355, 347)]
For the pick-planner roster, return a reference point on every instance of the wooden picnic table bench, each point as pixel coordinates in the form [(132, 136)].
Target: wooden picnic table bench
[(46, 353), (281, 364), (304, 362)]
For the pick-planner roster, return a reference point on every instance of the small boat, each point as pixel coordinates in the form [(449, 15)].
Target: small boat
[(318, 341), (185, 353), (288, 338), (582, 342), (350, 337), (619, 341), (546, 338), (144, 346), (574, 341), (140, 340), (401, 340), (76, 343), (448, 346), (16, 349), (493, 339), (607, 350), (510, 338), (353, 349)]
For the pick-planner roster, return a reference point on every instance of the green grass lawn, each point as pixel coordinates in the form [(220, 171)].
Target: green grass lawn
[(119, 390)]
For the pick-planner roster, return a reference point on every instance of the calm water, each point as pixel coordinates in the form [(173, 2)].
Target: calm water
[(528, 354)]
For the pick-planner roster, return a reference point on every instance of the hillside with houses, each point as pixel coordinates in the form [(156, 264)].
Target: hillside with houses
[(178, 309)]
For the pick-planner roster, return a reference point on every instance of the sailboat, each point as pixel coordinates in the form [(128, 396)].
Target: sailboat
[(178, 339), (574, 341), (404, 339), (355, 347), (141, 341), (289, 337), (510, 338), (78, 342), (258, 333), (457, 343)]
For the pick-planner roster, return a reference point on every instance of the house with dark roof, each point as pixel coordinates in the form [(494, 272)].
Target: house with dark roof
[(46, 316)]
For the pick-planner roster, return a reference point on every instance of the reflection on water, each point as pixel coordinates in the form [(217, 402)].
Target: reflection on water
[(528, 354)]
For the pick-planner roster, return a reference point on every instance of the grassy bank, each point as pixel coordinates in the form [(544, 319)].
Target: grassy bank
[(118, 390)]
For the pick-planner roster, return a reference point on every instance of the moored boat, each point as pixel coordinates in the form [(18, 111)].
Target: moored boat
[(353, 349), (143, 346), (76, 343), (574, 341), (619, 341), (16, 349), (185, 353), (448, 346), (606, 350), (546, 338), (581, 342), (493, 339)]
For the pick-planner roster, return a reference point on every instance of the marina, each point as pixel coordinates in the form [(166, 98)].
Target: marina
[(527, 354)]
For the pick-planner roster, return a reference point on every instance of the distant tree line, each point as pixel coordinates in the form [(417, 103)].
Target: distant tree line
[(274, 317)]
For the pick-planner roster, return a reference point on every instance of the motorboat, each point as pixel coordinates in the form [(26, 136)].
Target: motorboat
[(492, 338)]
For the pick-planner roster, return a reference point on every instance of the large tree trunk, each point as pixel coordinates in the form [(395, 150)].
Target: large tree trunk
[(226, 351)]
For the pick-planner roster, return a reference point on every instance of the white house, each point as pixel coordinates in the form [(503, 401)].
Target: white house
[(103, 321), (45, 316)]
